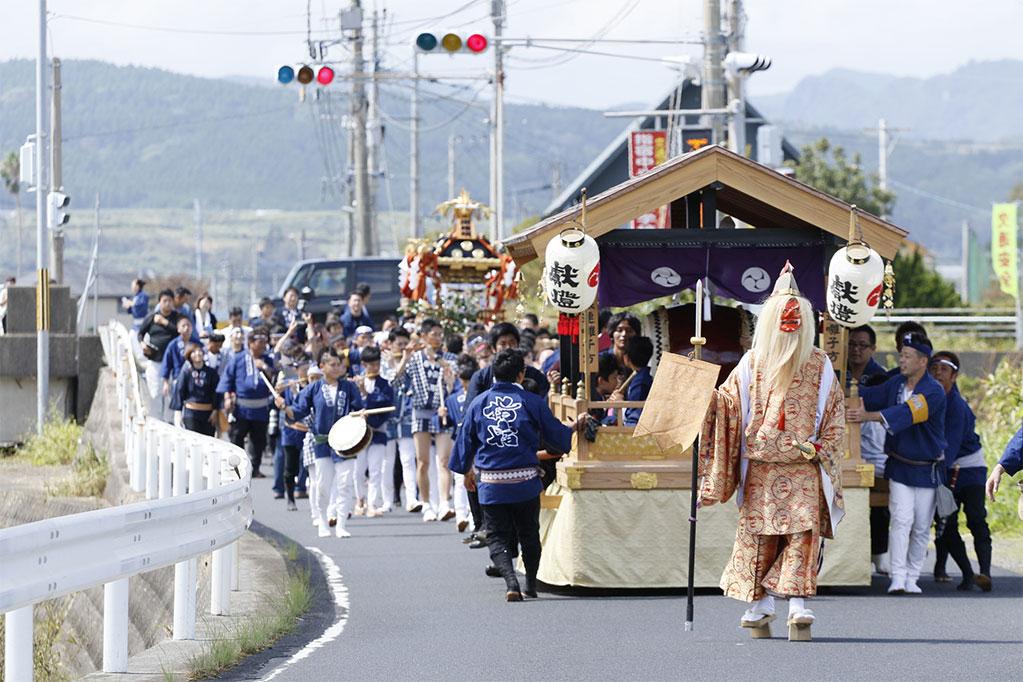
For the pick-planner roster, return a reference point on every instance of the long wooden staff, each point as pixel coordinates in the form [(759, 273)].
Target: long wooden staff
[(697, 342)]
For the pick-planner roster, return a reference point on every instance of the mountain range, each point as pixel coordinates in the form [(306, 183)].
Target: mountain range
[(152, 140)]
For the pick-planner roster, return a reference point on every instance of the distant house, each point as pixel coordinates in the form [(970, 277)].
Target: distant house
[(611, 166)]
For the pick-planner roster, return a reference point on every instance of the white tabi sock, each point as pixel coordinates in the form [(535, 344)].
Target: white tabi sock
[(796, 605), (763, 606)]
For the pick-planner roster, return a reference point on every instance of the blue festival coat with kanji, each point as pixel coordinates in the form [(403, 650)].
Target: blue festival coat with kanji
[(501, 431)]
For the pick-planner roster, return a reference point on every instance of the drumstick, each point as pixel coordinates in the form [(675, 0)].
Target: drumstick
[(377, 410), (269, 385)]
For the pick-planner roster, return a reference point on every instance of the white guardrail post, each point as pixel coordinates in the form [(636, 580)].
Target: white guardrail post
[(115, 626), (18, 644), (191, 508), (220, 558)]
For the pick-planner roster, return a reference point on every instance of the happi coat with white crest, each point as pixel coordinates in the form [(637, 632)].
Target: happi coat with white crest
[(787, 502)]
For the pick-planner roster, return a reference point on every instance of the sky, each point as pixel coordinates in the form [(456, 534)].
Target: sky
[(221, 38)]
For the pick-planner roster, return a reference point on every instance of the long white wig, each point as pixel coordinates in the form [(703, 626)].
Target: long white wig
[(780, 354)]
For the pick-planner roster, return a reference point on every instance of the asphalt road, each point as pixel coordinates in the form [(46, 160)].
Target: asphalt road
[(420, 608)]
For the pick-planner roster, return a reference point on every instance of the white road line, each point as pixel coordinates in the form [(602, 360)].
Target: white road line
[(340, 594)]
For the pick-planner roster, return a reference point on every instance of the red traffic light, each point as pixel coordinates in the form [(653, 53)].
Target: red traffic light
[(325, 75), (476, 43)]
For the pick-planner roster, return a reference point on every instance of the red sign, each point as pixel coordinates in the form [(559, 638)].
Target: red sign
[(647, 149)]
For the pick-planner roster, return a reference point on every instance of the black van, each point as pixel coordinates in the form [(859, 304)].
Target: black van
[(331, 281)]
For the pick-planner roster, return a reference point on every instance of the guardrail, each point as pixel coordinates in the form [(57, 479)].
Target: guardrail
[(982, 322), (198, 500)]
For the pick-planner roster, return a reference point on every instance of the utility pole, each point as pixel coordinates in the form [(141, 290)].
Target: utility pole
[(413, 195), (57, 177), (882, 154), (736, 81), (350, 184), (712, 89), (301, 244), (497, 126), (42, 257), (95, 281), (364, 228), (452, 141), (197, 219), (376, 137)]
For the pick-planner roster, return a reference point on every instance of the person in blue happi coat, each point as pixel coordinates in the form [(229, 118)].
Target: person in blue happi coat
[(638, 351), (326, 401), (501, 434), (172, 362), (196, 390), (247, 397), (966, 472), (376, 392), (1011, 463), (454, 412), (137, 304), (292, 436), (355, 315), (911, 407)]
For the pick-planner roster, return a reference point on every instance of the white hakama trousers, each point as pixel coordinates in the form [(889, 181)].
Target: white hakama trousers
[(376, 456), (912, 511), (334, 489), (407, 455), (361, 460)]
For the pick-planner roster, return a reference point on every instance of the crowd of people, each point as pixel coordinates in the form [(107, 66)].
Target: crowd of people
[(276, 382)]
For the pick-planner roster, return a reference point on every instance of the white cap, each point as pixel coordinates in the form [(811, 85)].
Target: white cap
[(363, 329)]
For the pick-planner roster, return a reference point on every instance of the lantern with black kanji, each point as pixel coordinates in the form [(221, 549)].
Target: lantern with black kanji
[(855, 279), (572, 271)]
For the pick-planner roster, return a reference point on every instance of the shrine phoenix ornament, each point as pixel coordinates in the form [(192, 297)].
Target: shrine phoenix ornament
[(855, 280), (572, 269)]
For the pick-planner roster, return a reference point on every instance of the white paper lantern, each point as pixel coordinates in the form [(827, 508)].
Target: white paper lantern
[(572, 271), (855, 280)]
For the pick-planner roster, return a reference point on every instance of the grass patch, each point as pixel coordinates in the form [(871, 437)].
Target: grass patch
[(56, 445), (88, 477), (259, 632), (997, 400), (49, 640)]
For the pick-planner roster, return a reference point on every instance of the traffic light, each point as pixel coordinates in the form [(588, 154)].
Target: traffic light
[(323, 75), (450, 43), (57, 202)]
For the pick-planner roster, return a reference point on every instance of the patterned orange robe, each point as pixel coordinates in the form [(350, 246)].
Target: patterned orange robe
[(786, 502)]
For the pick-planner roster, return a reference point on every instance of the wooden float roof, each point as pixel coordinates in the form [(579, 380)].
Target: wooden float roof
[(746, 190)]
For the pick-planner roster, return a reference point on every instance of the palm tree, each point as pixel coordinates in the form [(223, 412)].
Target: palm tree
[(10, 171)]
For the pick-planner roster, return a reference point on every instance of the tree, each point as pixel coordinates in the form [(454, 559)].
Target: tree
[(10, 171), (918, 286), (826, 168), (1016, 193)]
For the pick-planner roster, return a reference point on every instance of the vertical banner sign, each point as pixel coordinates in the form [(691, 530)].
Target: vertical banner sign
[(647, 149), (1003, 248)]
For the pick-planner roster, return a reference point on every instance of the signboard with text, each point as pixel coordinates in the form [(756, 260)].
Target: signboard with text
[(648, 149), (1003, 248)]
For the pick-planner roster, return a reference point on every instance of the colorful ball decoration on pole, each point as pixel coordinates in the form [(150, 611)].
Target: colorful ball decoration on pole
[(305, 75), (855, 279), (325, 75), (572, 271)]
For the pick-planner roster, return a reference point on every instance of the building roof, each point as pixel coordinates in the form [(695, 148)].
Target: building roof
[(611, 166), (746, 190)]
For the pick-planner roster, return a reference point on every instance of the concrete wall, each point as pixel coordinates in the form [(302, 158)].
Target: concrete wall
[(74, 363)]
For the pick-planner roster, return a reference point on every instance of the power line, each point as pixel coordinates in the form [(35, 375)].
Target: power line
[(938, 198), (189, 31), (177, 124)]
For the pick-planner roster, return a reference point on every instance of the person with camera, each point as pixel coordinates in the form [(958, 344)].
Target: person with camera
[(155, 333)]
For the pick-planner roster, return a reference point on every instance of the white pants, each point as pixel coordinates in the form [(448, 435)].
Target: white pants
[(314, 510), (334, 488), (360, 474), (912, 511), (407, 455), (376, 456), (461, 497)]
